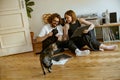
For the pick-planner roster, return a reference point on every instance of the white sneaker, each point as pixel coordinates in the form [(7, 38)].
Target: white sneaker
[(82, 53)]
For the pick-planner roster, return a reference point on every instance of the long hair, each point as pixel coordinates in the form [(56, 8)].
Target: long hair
[(51, 18), (72, 14)]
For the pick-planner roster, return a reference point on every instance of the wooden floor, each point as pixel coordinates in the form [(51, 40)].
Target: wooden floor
[(97, 66)]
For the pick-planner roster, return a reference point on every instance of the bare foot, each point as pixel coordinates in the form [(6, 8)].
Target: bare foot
[(110, 48)]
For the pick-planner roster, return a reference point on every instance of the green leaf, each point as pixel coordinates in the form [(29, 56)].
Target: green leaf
[(29, 9), (30, 4), (29, 15), (27, 1)]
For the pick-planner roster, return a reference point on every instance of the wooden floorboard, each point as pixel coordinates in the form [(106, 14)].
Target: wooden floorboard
[(96, 66)]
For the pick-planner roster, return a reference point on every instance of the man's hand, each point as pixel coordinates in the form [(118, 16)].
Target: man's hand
[(50, 34)]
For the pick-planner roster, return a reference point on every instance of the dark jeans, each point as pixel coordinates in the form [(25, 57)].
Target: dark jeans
[(88, 39), (67, 44)]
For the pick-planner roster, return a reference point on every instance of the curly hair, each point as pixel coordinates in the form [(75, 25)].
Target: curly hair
[(45, 17), (51, 18)]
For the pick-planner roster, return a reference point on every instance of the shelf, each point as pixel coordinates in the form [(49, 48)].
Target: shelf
[(107, 32), (108, 25)]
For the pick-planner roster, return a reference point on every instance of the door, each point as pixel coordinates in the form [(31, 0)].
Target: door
[(14, 28)]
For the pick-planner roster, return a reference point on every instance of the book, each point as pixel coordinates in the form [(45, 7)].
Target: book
[(79, 31), (60, 59)]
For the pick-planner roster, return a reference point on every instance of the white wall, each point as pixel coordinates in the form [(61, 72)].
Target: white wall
[(60, 6)]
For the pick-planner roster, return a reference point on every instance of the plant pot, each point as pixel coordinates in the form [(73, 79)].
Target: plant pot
[(32, 36)]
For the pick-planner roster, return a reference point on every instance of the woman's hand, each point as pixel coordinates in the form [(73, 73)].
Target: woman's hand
[(59, 37), (65, 31), (83, 21), (85, 31)]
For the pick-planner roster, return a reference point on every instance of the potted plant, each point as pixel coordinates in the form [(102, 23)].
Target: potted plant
[(29, 10), (28, 7)]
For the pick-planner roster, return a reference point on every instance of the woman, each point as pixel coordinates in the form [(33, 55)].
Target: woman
[(88, 38)]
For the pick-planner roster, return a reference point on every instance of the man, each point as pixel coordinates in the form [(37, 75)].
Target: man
[(54, 22)]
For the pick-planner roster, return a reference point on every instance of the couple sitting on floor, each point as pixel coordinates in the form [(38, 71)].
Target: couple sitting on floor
[(64, 33)]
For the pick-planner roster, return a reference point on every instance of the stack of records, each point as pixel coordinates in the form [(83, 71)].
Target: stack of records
[(79, 31), (108, 34)]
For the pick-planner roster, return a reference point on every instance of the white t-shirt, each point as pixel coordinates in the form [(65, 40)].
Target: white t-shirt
[(47, 28)]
